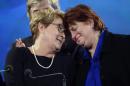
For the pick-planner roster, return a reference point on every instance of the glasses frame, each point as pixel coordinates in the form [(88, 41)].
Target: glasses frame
[(61, 27)]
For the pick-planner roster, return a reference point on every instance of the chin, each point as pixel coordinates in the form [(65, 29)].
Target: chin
[(88, 47), (58, 48), (81, 44)]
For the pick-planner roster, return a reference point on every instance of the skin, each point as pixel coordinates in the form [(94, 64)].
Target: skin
[(83, 34), (42, 6), (49, 40)]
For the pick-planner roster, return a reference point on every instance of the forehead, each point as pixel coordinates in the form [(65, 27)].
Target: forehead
[(78, 23), (73, 24), (44, 2), (37, 1)]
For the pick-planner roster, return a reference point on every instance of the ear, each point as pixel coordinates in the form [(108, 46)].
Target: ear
[(41, 27)]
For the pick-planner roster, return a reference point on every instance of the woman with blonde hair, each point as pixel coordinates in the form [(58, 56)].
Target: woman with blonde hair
[(42, 64)]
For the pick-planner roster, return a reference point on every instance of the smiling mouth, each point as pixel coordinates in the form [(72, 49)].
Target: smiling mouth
[(60, 40)]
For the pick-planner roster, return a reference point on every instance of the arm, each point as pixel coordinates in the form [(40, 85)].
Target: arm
[(16, 76)]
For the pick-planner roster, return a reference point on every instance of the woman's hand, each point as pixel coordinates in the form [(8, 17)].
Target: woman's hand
[(19, 43)]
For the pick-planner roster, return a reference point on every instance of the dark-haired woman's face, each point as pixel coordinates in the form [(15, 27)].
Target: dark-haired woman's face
[(82, 33)]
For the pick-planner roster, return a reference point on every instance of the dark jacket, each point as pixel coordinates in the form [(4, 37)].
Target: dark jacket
[(25, 68), (1, 81), (114, 61)]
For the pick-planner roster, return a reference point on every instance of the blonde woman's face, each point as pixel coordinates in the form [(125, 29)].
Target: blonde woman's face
[(83, 33), (55, 33)]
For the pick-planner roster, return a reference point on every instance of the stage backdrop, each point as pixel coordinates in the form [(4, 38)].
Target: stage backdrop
[(14, 22)]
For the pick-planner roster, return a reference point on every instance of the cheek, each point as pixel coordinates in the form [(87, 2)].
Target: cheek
[(82, 34), (51, 35), (54, 35), (85, 32)]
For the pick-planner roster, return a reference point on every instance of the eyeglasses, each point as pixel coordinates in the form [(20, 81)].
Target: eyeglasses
[(61, 27)]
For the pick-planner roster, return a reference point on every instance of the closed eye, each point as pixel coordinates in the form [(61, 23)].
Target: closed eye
[(73, 28)]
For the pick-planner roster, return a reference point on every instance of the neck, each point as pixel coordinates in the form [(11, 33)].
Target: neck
[(42, 48), (94, 42)]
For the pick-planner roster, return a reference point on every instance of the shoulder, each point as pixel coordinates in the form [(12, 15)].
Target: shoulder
[(15, 50), (15, 55), (117, 37), (116, 42), (121, 39)]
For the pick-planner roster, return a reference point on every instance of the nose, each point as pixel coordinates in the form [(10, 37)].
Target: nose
[(62, 35), (73, 35)]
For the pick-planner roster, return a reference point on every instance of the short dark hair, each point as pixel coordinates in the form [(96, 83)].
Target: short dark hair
[(82, 13)]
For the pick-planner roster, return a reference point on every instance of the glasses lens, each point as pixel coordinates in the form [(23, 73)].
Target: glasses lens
[(61, 28)]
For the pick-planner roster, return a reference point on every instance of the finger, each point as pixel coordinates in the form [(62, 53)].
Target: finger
[(23, 45)]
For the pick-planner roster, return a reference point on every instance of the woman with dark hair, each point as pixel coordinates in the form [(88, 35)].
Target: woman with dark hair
[(106, 56)]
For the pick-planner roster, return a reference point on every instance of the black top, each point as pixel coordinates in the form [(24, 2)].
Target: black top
[(114, 62), (23, 63), (1, 81)]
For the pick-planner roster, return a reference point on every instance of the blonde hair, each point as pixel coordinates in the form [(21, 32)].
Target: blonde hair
[(45, 18), (30, 3)]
